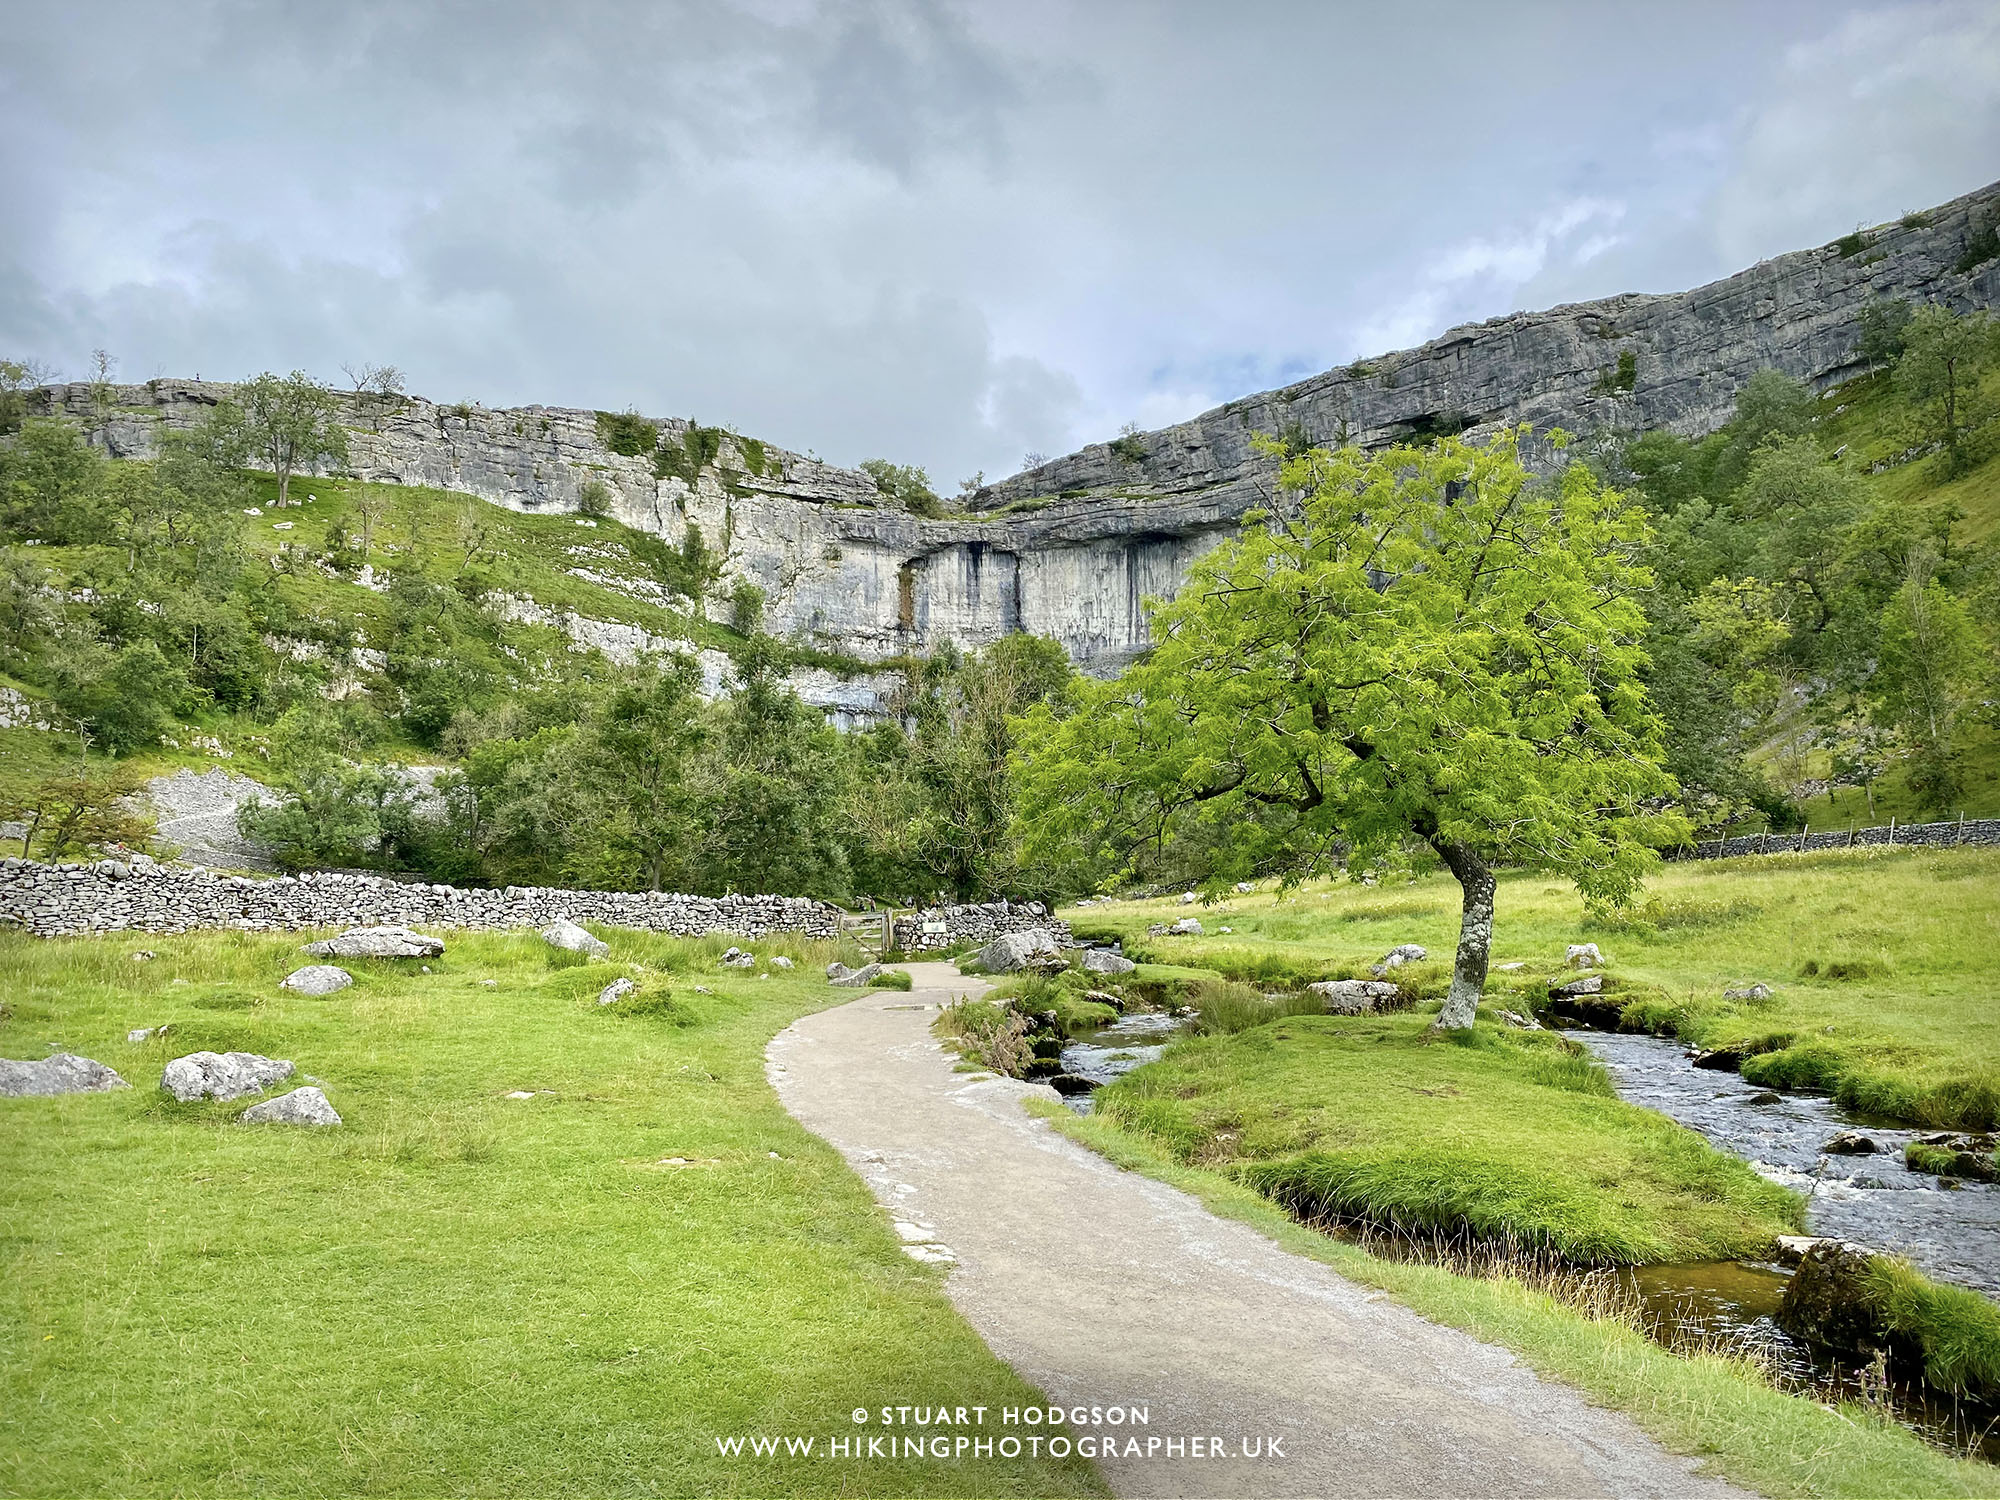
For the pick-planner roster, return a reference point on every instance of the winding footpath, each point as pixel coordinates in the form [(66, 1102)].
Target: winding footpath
[(1105, 1288)]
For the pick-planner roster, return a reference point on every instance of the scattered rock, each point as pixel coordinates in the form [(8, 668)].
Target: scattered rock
[(1765, 1096), (1156, 929), (64, 1073), (1584, 956), (1185, 927), (1791, 1247), (1850, 1143), (779, 961), (1225, 929), (316, 979), (1104, 961), (854, 979), (1355, 997), (144, 956), (377, 942), (566, 935), (1244, 887), (147, 1033), (736, 958), (1104, 997), (223, 1075), (1748, 992), (1946, 1155), (1069, 1084), (1403, 953), (1718, 1059), (303, 1106), (1828, 1300), (1590, 984), (1519, 963), (1187, 898), (615, 991), (1519, 1021), (1014, 951), (489, 984)]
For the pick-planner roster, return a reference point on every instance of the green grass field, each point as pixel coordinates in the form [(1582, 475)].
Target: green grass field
[(1911, 1032), (455, 1292)]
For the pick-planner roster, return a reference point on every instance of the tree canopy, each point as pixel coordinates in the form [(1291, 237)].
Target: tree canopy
[(1421, 642)]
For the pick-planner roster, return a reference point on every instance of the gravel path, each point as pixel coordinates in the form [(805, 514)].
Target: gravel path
[(1105, 1288)]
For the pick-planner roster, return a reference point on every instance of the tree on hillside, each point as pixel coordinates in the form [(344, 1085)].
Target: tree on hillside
[(1883, 324), (1928, 673), (1944, 355), (293, 424), (1421, 643), (906, 484)]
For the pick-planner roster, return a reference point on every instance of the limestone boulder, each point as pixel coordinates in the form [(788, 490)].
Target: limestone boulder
[(316, 979), (1750, 992), (854, 979), (615, 991), (1104, 961), (566, 935), (736, 958), (302, 1106), (222, 1075), (1013, 951), (64, 1073), (377, 942), (779, 961), (1396, 957), (1590, 984), (1830, 1300), (1185, 927), (1584, 956), (1356, 997)]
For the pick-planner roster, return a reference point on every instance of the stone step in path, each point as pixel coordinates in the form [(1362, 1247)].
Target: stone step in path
[(1104, 1288)]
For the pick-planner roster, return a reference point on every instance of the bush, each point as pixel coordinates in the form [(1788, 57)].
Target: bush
[(627, 432), (994, 1036), (893, 979), (594, 499)]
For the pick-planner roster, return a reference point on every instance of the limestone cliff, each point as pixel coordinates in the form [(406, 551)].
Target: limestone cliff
[(1071, 549)]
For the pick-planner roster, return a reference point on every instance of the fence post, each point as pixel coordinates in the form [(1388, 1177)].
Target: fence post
[(1804, 829), (1959, 838), (1892, 828)]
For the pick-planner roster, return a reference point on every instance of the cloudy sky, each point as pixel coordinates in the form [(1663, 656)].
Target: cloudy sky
[(945, 234)]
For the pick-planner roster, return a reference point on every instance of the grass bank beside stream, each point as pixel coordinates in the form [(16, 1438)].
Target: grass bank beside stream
[(456, 1291), (1881, 960), (1716, 1408)]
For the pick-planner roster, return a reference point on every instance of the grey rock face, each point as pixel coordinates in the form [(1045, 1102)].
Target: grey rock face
[(851, 979), (1356, 997), (302, 1106), (1016, 950), (1103, 961), (377, 942), (565, 934), (615, 991), (1583, 956), (222, 1075), (316, 979), (1590, 984), (64, 1073), (1112, 526)]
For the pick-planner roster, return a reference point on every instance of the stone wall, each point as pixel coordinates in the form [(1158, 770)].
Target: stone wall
[(978, 924), (110, 896), (1965, 831)]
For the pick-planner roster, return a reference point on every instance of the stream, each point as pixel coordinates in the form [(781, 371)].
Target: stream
[(1872, 1199), (1116, 1049)]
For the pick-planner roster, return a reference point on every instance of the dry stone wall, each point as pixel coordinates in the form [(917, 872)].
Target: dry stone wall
[(937, 927), (1964, 831), (112, 896)]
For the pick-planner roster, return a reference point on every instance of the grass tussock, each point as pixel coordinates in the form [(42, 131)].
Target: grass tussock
[(993, 1035), (1224, 1006)]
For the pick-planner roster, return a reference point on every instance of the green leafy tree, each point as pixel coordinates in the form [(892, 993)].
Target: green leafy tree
[(1883, 326), (332, 810), (1419, 643), (293, 425), (1930, 669), (1801, 507), (124, 698), (78, 812), (52, 485), (1944, 355)]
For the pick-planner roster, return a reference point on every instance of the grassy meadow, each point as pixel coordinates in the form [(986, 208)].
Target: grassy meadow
[(456, 1291)]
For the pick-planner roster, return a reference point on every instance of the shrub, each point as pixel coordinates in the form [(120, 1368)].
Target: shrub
[(1982, 245), (1128, 446), (753, 455), (594, 499), (1842, 969), (1851, 245), (906, 484), (893, 979), (995, 1036), (627, 433)]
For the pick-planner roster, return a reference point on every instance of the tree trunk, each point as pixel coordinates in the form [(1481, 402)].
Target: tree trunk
[(1475, 935)]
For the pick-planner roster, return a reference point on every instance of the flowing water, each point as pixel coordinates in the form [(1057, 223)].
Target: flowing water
[(1872, 1199), (1116, 1049)]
